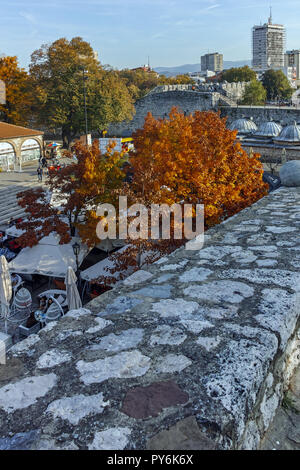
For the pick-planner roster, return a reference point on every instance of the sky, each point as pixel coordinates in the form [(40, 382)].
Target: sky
[(126, 32)]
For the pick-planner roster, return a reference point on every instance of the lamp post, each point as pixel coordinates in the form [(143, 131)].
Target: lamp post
[(85, 77), (76, 250)]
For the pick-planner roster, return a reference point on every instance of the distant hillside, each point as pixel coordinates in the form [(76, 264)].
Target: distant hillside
[(182, 69)]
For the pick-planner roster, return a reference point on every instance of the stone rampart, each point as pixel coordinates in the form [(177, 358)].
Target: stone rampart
[(261, 114), (217, 97), (192, 353), (160, 105)]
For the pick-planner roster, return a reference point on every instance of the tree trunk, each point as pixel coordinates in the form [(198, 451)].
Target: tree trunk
[(66, 138)]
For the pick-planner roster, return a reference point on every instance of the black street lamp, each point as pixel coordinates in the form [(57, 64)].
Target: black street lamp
[(76, 250)]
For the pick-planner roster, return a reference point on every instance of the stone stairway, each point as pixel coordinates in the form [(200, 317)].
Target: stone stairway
[(8, 201), (226, 101)]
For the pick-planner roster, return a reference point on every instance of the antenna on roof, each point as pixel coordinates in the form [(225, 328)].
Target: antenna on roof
[(270, 17), (149, 62)]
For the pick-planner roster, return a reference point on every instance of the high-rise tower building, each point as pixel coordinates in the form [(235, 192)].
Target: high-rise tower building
[(213, 62), (268, 46)]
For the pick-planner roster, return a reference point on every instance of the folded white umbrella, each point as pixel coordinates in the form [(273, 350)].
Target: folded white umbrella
[(5, 289), (73, 297)]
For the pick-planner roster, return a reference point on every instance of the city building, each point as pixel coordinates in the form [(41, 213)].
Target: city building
[(213, 62), (290, 73), (292, 59), (201, 77), (268, 46), (18, 145)]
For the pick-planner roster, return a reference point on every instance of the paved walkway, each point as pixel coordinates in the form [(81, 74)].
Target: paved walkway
[(11, 183), (28, 174)]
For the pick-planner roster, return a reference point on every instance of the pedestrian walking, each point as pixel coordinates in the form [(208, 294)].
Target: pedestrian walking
[(40, 173)]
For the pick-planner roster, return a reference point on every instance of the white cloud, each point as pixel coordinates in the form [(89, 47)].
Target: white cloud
[(28, 16)]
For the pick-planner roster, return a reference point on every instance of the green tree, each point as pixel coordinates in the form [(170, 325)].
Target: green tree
[(58, 74), (277, 85), (255, 94), (140, 82), (238, 74), (180, 79)]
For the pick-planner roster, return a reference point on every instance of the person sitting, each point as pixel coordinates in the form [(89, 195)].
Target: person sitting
[(43, 303), (16, 280), (31, 321)]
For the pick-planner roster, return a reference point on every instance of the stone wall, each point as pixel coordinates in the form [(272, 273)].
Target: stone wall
[(192, 353), (235, 91), (260, 114), (272, 157), (211, 97), (177, 87), (160, 105)]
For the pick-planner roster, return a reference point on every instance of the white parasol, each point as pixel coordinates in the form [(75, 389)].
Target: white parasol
[(73, 297), (5, 290)]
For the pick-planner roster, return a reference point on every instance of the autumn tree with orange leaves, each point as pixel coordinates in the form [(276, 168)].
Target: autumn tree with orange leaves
[(191, 159), (77, 188), (195, 159), (19, 92)]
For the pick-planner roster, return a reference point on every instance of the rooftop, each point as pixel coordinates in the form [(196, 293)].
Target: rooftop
[(10, 131)]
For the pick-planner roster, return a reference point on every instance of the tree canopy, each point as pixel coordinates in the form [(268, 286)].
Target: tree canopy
[(195, 159), (140, 82), (255, 94), (60, 71), (277, 85), (184, 159), (191, 159), (238, 74), (19, 92), (77, 189)]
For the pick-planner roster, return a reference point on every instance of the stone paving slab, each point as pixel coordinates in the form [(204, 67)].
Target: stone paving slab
[(219, 349)]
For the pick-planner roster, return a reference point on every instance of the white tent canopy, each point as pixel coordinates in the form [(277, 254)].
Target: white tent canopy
[(108, 245), (13, 231), (48, 258), (99, 269)]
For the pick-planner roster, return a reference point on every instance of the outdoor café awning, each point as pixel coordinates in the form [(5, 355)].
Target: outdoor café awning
[(48, 258), (99, 269)]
